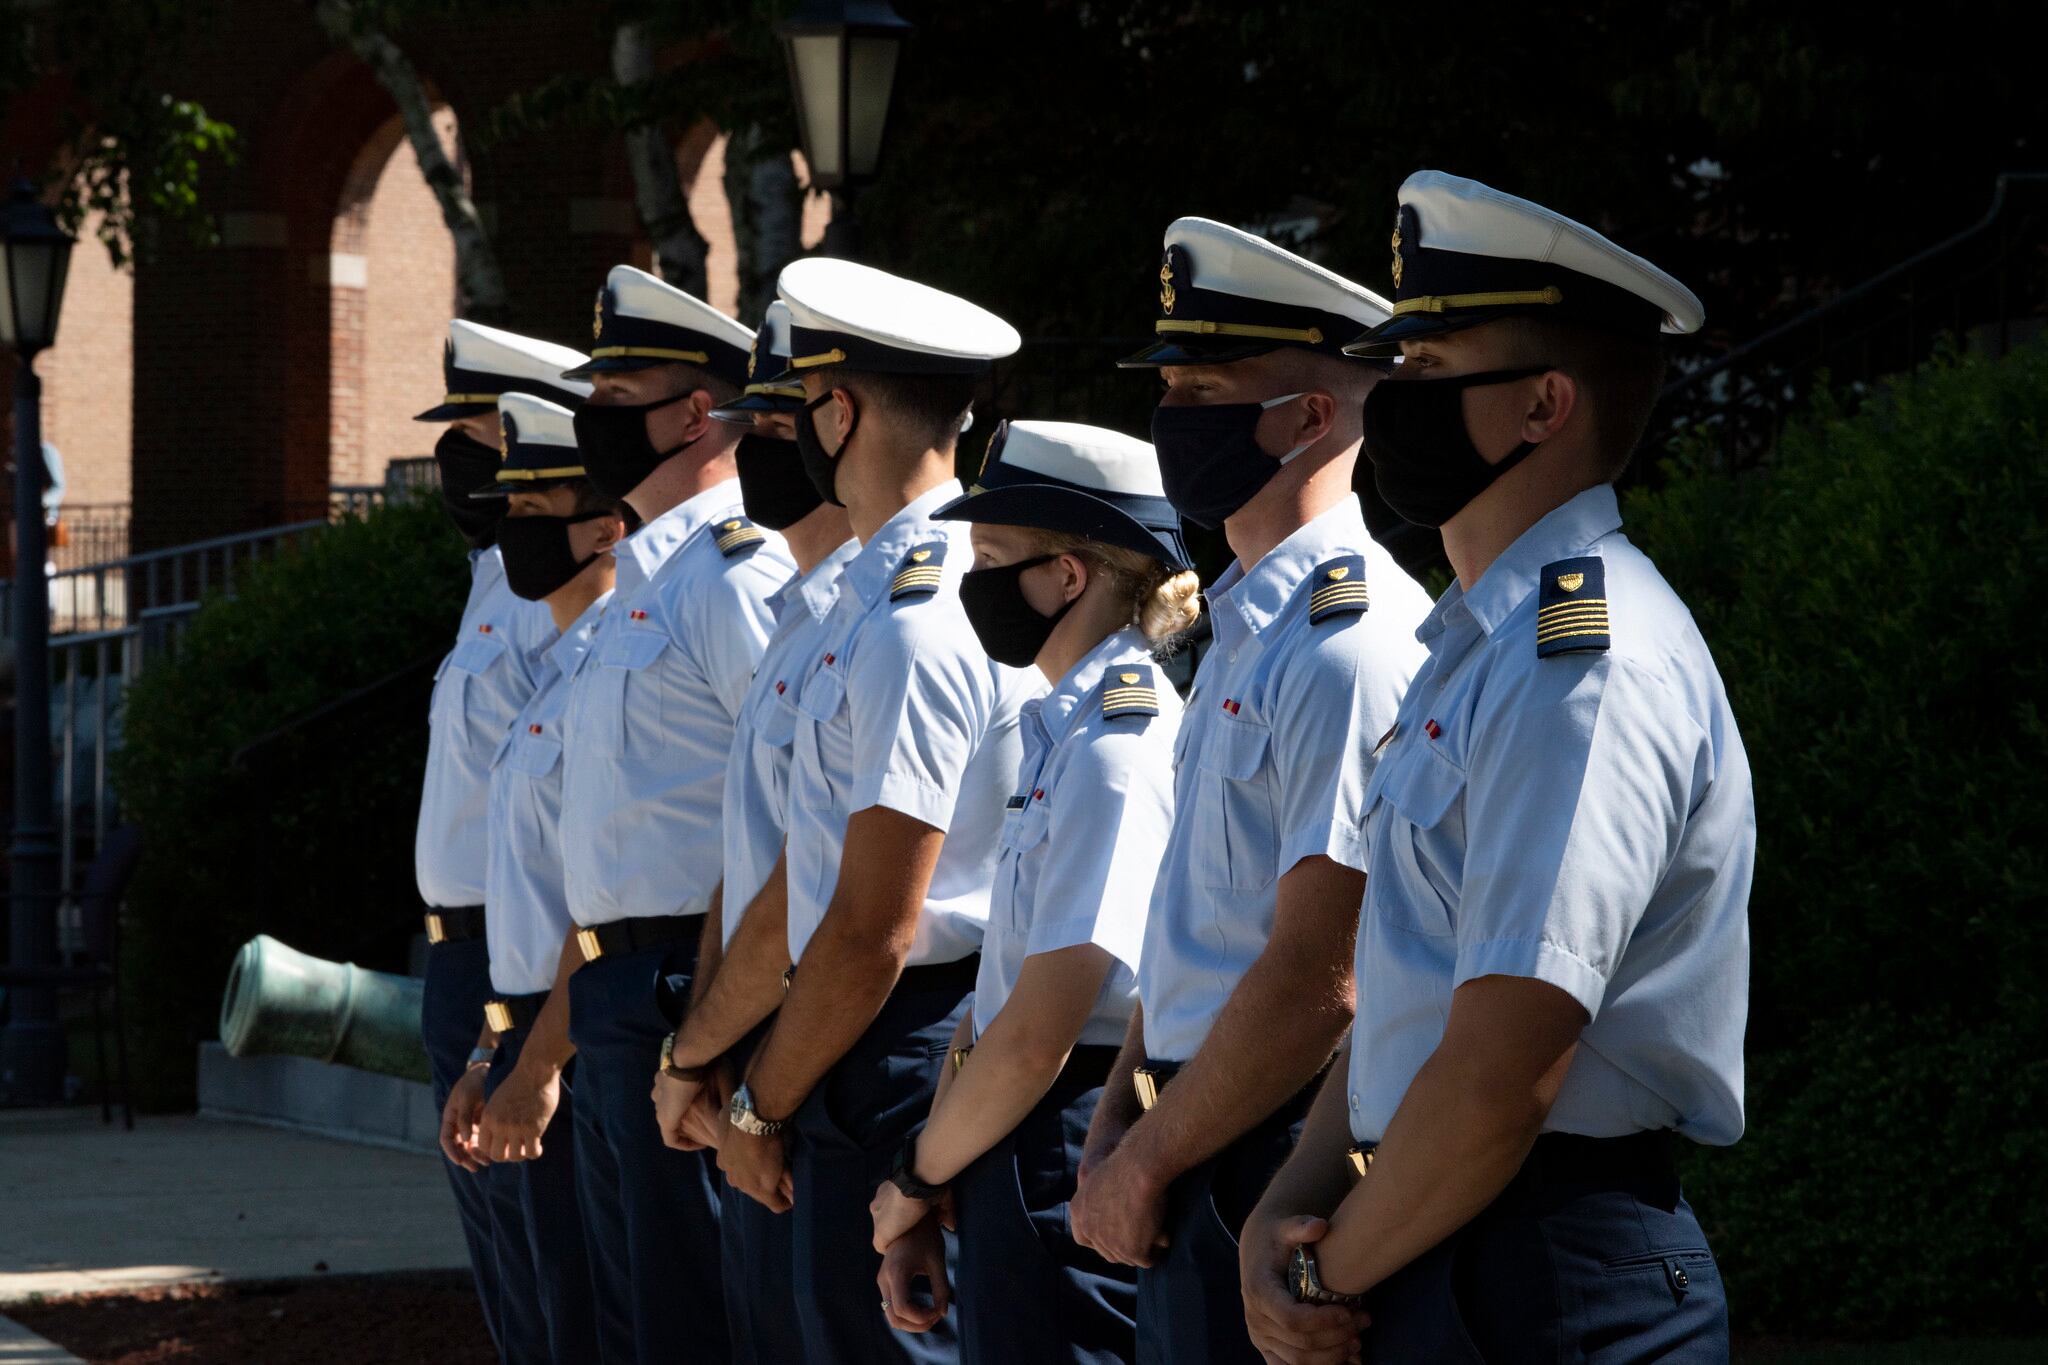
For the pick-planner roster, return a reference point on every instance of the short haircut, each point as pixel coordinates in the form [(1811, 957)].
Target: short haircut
[(931, 405), (692, 378), (1619, 377), (589, 501)]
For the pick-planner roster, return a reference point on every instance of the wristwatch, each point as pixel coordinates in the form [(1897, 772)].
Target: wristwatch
[(742, 1116), (904, 1177), (480, 1057), (1308, 1287), (669, 1067)]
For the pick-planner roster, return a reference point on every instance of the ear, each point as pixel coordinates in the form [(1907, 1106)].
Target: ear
[(611, 530), (1318, 416), (1555, 399), (843, 409), (697, 409), (1073, 577)]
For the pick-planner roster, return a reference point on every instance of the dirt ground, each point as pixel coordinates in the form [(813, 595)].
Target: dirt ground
[(416, 1319)]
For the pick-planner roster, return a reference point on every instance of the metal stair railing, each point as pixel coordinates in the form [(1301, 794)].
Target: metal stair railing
[(1985, 286)]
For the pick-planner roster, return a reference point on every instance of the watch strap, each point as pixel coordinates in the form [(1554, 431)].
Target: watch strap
[(904, 1177)]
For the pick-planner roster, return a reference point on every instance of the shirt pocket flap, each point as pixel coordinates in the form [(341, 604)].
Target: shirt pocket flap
[(1236, 749), (634, 648), (823, 691), (774, 720), (475, 655), (534, 755), (1026, 828), (1422, 787)]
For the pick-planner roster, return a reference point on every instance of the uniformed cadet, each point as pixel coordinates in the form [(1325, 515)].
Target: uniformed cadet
[(1244, 985), (1080, 570), (905, 749), (646, 730), (1553, 955), (556, 542), (480, 686), (690, 1100)]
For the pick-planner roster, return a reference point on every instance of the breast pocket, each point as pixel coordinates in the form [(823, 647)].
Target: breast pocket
[(534, 755), (630, 693), (1024, 829), (458, 704), (823, 739), (1236, 844), (1418, 821)]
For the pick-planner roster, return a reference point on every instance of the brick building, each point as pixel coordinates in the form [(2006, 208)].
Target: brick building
[(226, 387)]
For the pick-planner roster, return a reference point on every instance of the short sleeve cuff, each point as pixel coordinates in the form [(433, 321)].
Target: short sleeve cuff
[(907, 795), (1075, 930), (1332, 839), (1538, 960)]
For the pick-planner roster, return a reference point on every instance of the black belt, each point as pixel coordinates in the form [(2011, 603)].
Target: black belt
[(930, 976), (1151, 1078), (1574, 1159), (507, 1013), (623, 936), (455, 925)]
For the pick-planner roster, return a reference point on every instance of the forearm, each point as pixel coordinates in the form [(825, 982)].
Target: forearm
[(1314, 1181), (846, 978), (548, 1048), (963, 1036), (1001, 1083), (710, 950), (1118, 1108), (747, 986), (1448, 1152), (1247, 1068)]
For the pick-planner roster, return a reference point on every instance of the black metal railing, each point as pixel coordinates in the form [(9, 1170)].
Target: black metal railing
[(1986, 287), (90, 533)]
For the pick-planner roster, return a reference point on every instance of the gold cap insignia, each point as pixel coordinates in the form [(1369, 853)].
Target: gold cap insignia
[(1570, 582), (753, 359), (1166, 294), (1127, 677), (1397, 252), (920, 556), (504, 442), (1341, 571), (597, 316)]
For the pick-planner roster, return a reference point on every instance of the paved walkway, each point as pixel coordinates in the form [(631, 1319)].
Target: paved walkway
[(93, 1207)]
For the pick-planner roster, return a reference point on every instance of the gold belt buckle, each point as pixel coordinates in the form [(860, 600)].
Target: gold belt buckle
[(436, 931), (587, 942), (1147, 1086), (1360, 1157), (498, 1015)]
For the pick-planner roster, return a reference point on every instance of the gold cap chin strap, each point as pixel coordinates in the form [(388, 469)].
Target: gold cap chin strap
[(652, 353), (1312, 335), (1437, 303)]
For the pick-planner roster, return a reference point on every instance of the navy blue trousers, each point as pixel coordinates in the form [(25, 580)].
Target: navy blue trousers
[(1028, 1294), (843, 1145), (1594, 1263), (1191, 1305), (458, 982), (538, 1229), (650, 1212), (760, 1298)]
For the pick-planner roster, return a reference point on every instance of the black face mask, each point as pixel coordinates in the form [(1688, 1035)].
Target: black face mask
[(1008, 626), (467, 465), (617, 454), (822, 468), (774, 486), (1210, 460), (1423, 459), (538, 559)]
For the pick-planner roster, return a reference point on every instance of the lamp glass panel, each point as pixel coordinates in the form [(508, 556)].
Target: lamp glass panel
[(872, 67), (7, 328), (816, 58)]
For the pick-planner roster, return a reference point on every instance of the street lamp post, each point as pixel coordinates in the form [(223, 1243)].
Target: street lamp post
[(843, 58), (37, 257)]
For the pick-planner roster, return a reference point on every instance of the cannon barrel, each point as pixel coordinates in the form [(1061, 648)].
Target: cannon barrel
[(280, 1001)]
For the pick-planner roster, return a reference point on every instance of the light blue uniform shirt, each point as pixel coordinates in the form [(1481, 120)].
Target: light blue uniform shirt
[(1584, 820), (478, 689), (1272, 764), (757, 773), (649, 721), (1082, 840), (902, 709), (529, 910)]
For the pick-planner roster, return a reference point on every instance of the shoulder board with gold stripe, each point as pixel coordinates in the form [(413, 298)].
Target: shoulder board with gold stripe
[(736, 534), (1129, 691), (1571, 607), (1337, 588), (919, 574)]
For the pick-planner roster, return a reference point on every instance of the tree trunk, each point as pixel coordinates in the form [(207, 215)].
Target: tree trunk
[(767, 214), (479, 282), (679, 249)]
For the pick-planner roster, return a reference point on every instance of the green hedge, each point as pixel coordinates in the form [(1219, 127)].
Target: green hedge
[(309, 836), (1876, 602)]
